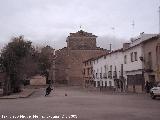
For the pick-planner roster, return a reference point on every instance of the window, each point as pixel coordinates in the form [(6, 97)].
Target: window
[(115, 72), (87, 63), (131, 56), (98, 83), (125, 59), (91, 70), (101, 75), (88, 70), (105, 83), (135, 56), (110, 74), (111, 68), (96, 75), (115, 68), (84, 71), (105, 69)]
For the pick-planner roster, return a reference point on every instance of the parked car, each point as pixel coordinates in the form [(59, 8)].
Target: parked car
[(155, 91)]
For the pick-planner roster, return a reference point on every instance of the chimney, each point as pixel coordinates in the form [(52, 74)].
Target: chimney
[(126, 46)]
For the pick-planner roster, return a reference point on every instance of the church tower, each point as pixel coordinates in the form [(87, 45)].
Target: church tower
[(81, 41), (69, 60)]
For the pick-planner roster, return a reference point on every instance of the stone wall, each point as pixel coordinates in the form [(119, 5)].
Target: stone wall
[(151, 63), (82, 43), (69, 66), (38, 80), (76, 63)]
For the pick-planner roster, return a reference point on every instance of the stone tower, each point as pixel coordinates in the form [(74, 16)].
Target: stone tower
[(80, 47), (81, 41)]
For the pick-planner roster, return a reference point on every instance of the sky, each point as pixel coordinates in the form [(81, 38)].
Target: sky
[(49, 22)]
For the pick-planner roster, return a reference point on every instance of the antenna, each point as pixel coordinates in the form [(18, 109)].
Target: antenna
[(133, 25), (110, 47)]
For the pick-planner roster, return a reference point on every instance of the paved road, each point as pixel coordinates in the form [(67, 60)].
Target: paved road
[(85, 105)]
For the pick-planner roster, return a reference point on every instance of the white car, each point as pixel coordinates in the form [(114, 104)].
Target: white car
[(155, 91)]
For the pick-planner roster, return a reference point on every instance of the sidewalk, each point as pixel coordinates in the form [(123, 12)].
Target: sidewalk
[(109, 91), (24, 94)]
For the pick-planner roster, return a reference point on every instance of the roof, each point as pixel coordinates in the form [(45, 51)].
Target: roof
[(81, 33), (100, 56), (142, 38), (134, 42)]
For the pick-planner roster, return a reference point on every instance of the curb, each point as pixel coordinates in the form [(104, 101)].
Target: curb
[(18, 96), (27, 95)]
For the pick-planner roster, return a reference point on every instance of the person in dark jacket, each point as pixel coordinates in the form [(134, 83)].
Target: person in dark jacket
[(147, 87)]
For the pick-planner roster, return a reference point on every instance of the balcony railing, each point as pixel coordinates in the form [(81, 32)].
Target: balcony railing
[(105, 75), (115, 74), (110, 74)]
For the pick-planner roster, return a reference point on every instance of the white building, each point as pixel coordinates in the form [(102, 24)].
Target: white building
[(133, 65), (107, 69), (122, 68)]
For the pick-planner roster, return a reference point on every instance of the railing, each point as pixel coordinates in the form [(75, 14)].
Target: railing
[(110, 74), (115, 74), (105, 75)]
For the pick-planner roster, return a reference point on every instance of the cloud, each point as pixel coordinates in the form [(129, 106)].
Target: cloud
[(44, 21), (105, 41)]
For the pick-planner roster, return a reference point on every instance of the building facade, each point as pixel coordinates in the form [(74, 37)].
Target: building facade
[(80, 47), (88, 73), (133, 68), (130, 67), (151, 59), (108, 71)]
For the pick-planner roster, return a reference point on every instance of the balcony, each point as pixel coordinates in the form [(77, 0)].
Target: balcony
[(110, 74), (115, 74), (105, 75)]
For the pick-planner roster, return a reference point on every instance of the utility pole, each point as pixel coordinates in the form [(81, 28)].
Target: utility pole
[(159, 19)]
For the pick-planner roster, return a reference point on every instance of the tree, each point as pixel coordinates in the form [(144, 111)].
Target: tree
[(46, 60), (13, 60)]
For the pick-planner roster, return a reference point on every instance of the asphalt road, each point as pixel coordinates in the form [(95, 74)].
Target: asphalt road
[(80, 105)]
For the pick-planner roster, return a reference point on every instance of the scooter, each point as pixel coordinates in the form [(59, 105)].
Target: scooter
[(48, 91)]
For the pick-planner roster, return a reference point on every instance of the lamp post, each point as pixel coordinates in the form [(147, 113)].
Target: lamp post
[(100, 82)]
